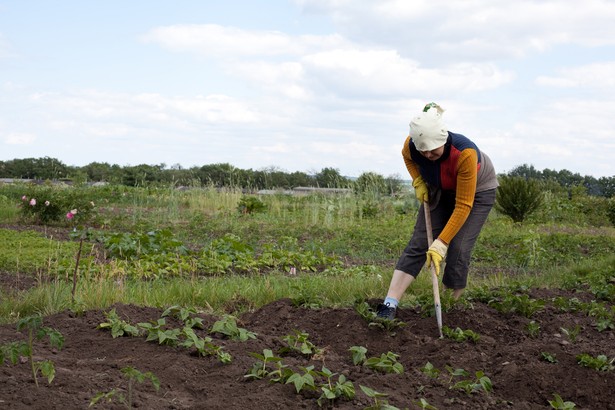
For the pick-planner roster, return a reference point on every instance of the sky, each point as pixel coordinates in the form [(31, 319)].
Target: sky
[(303, 85)]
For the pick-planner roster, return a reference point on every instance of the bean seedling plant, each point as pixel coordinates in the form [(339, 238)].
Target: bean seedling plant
[(132, 375)]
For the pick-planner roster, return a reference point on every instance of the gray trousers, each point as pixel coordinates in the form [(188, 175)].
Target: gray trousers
[(459, 252)]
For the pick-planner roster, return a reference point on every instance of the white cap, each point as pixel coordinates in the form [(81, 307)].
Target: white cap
[(427, 129)]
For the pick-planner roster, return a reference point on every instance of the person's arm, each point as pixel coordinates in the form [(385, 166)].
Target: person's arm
[(411, 166), (464, 195)]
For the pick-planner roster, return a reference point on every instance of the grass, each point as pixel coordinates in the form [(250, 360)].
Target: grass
[(364, 235)]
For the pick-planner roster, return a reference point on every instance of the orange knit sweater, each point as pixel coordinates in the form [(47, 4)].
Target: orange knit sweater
[(464, 193)]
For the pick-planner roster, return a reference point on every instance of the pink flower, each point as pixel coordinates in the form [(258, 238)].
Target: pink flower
[(46, 203), (24, 198), (70, 215), (32, 202), (73, 211)]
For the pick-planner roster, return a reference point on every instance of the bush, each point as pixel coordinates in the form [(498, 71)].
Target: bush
[(518, 197), (44, 205)]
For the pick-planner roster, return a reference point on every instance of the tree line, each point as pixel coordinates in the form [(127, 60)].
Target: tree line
[(226, 175)]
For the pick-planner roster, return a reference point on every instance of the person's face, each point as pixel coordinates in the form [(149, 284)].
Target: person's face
[(434, 154)]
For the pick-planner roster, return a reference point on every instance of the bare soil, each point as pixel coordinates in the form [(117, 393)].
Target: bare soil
[(91, 361)]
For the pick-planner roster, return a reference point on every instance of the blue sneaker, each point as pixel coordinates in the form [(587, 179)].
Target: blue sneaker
[(385, 311)]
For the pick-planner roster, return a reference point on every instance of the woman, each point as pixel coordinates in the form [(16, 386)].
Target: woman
[(458, 182)]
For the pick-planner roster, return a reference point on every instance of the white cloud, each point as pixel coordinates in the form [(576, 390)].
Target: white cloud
[(19, 139), (597, 76)]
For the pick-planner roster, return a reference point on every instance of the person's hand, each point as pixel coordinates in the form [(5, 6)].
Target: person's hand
[(436, 253), (420, 189)]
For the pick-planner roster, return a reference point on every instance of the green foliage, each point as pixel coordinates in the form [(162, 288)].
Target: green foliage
[(36, 331), (156, 331), (533, 329), (228, 327), (378, 404), (548, 357), (385, 363), (571, 333), (518, 197), (600, 362), (299, 342), (48, 204), (430, 370), (251, 205), (359, 354), (266, 365), (520, 304), (135, 245), (460, 335), (133, 376), (118, 327), (560, 404), (472, 385)]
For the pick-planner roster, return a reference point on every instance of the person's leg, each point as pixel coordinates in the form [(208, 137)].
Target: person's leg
[(460, 249), (412, 258)]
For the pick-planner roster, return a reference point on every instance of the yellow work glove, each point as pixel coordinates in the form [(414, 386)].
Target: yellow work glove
[(420, 189), (436, 254)]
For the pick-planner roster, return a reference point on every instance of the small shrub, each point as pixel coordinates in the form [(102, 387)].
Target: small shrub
[(517, 197)]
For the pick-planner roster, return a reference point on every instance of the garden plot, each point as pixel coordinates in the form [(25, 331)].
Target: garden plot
[(522, 353)]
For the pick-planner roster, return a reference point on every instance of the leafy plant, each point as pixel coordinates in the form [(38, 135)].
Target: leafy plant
[(385, 363), (132, 375), (334, 389), (203, 346), (36, 331), (228, 326), (156, 332), (118, 326), (305, 380), (521, 304), (358, 354), (460, 335), (378, 404), (600, 362), (469, 386), (430, 370), (186, 315), (548, 357), (533, 329), (263, 366), (251, 205), (518, 197), (422, 403), (560, 404), (299, 342), (571, 333)]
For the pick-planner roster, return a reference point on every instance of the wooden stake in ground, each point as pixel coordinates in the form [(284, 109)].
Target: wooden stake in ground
[(434, 276)]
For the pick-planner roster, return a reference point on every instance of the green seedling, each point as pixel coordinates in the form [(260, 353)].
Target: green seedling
[(305, 380), (186, 315), (378, 404), (359, 354), (204, 346), (156, 332), (533, 329), (334, 389), (118, 326), (386, 363), (36, 331), (571, 333), (430, 370), (469, 386), (600, 362), (560, 404), (521, 304), (460, 335), (299, 343), (548, 357), (228, 327), (263, 366), (133, 375), (422, 403)]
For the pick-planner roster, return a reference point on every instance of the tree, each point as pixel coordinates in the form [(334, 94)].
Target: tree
[(518, 197)]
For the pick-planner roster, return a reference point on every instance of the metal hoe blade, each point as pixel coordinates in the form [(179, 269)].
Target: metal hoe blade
[(434, 277)]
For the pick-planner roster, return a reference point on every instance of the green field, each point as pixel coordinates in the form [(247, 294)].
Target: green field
[(222, 250)]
